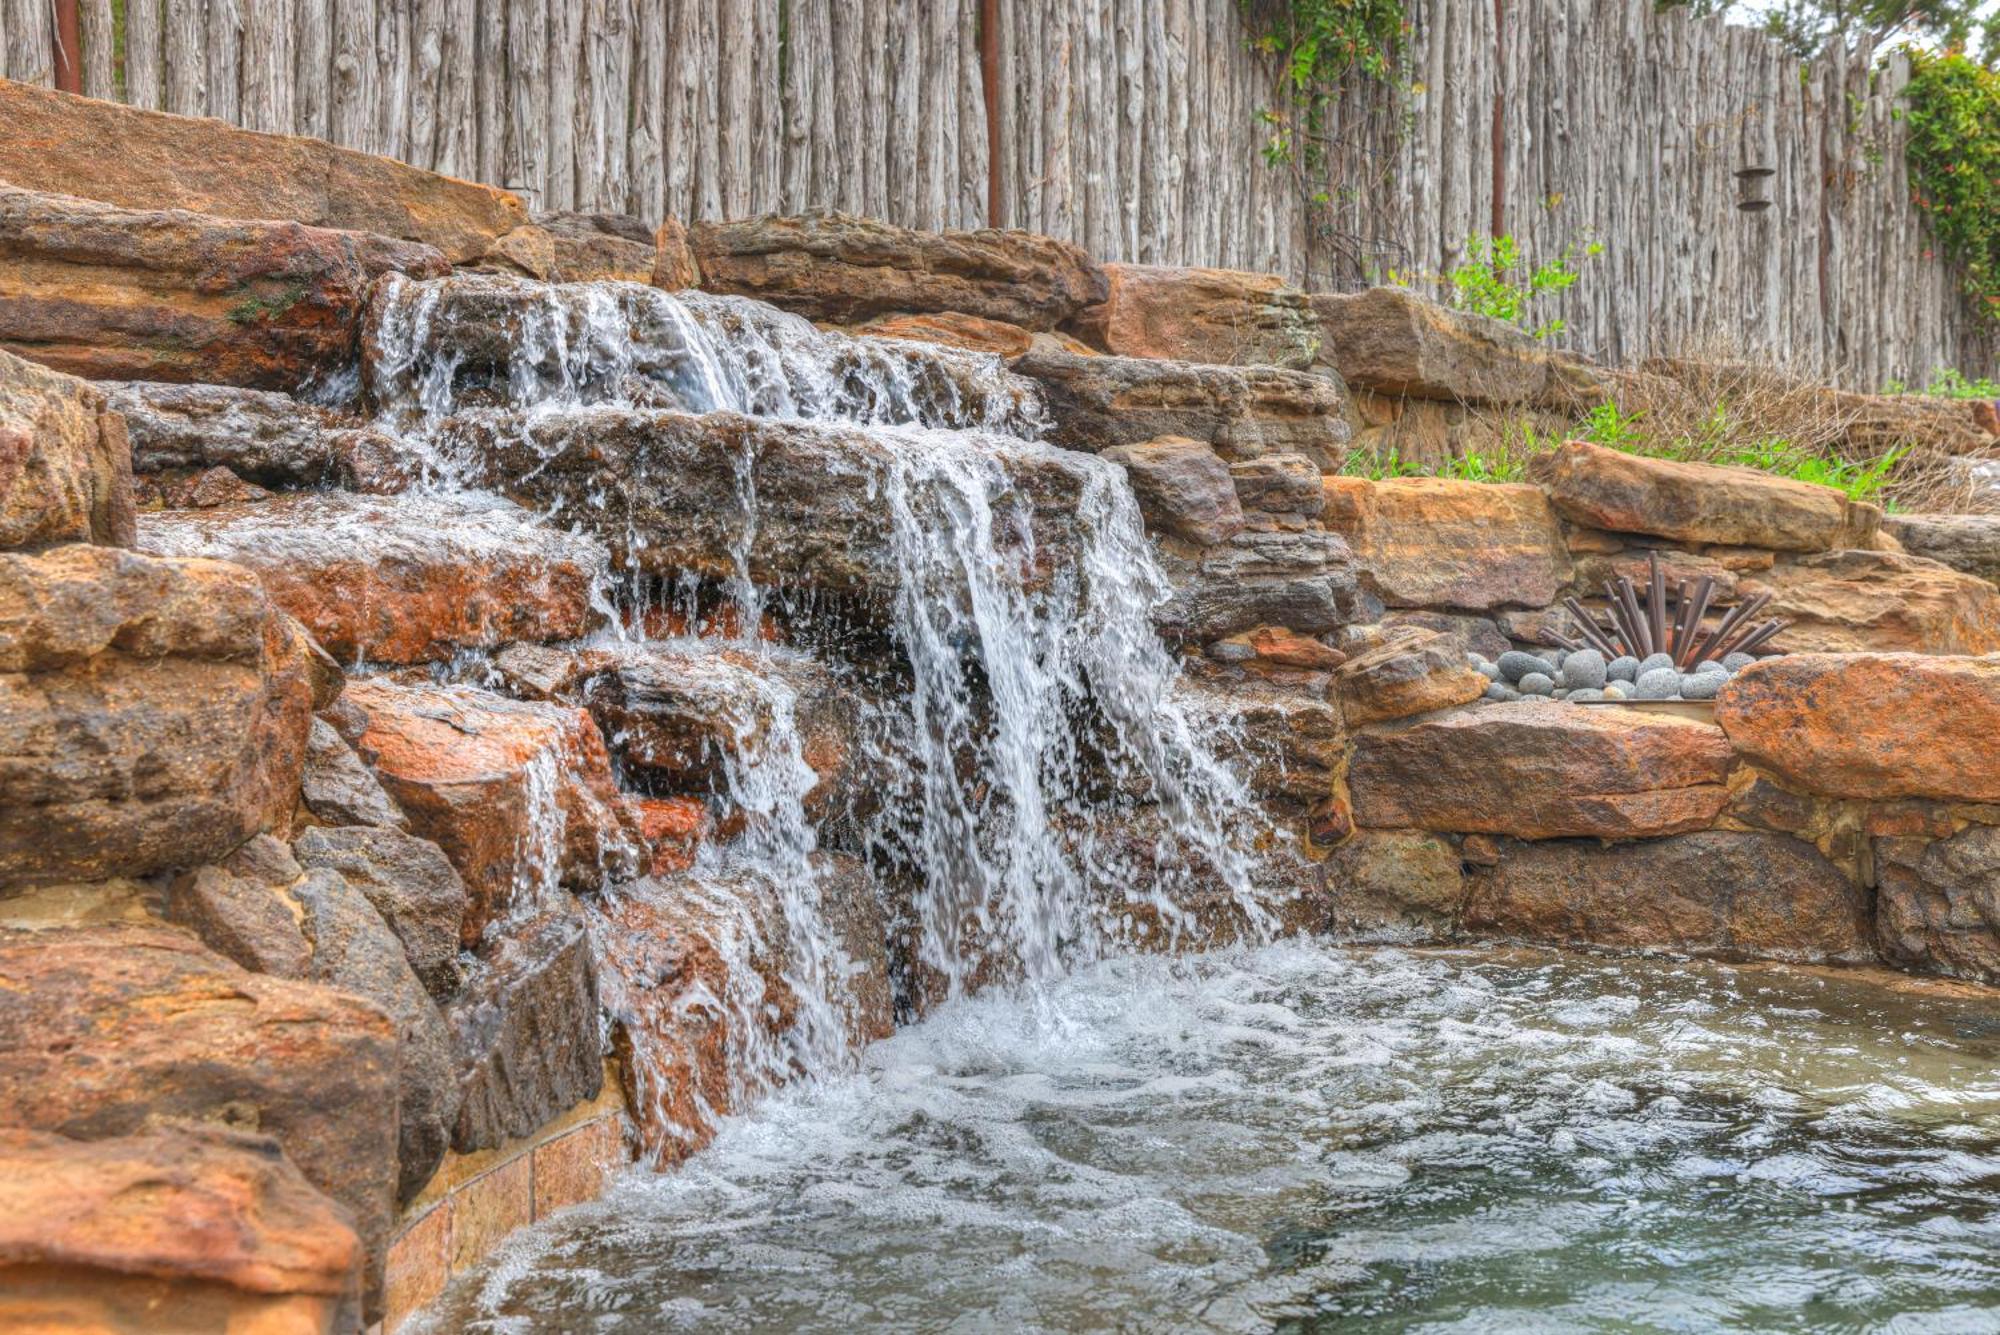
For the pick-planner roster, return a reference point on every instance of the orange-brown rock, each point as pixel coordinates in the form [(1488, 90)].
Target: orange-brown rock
[(1750, 896), (65, 466), (58, 143), (1280, 647), (1224, 316), (1412, 671), (1870, 725), (1392, 341), (398, 579), (674, 267), (1938, 903), (1693, 502), (111, 1030), (119, 294), (845, 269), (1878, 602), (1436, 542), (517, 793), (954, 329), (673, 828), (1395, 884), (582, 248), (153, 713), (177, 1230), (1595, 570), (1541, 770)]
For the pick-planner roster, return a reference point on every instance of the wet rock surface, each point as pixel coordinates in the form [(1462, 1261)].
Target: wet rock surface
[(1938, 903), (1395, 884), (1301, 580), (410, 883), (263, 436), (1435, 542), (337, 788), (403, 579), (65, 464)]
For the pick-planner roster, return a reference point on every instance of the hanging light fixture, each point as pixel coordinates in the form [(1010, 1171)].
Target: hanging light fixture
[(1753, 188)]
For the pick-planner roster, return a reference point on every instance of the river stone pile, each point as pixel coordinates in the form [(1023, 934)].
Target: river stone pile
[(1582, 676)]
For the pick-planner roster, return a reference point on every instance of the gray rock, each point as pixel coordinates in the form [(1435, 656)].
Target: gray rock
[(1490, 671), (1500, 690), (1623, 668), (1231, 651), (1585, 668), (1709, 665), (1515, 665), (1618, 690), (1658, 684), (1655, 663), (1702, 685), (240, 919), (1538, 683), (411, 883), (1736, 662), (338, 788), (1183, 488)]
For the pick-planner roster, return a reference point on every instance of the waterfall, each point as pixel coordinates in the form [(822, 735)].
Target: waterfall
[(1041, 786)]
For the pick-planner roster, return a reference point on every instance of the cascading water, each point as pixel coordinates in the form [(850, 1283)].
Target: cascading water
[(1039, 781)]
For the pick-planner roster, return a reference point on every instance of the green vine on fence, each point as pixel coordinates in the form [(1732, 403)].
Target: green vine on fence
[(1316, 44), (1954, 156)]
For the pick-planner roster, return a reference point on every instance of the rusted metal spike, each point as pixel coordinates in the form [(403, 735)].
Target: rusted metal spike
[(1656, 601), (1677, 637), (1691, 637), (1587, 626)]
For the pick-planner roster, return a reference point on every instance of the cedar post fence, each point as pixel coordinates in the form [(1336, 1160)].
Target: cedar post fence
[(1133, 128)]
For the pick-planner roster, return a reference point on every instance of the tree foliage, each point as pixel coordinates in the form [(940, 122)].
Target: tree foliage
[(1954, 154)]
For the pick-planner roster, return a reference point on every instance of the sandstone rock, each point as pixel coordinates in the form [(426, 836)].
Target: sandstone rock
[(1397, 883), (1413, 671), (338, 789), (1221, 316), (1938, 903), (153, 713), (1969, 543), (1299, 580), (518, 794), (596, 247), (953, 329), (1183, 487), (65, 466), (1691, 502), (180, 1229), (671, 479), (1286, 485), (674, 828), (1286, 746), (264, 436), (1243, 412), (111, 1029), (1435, 542), (402, 579), (837, 267), (1870, 725), (1393, 341), (56, 142), (1878, 602), (1594, 571), (411, 883), (674, 267), (525, 1031), (1540, 771), (1474, 634), (1754, 896), (116, 294), (243, 919)]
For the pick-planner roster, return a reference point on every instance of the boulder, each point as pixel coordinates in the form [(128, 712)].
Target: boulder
[(1395, 883), (243, 919), (583, 248), (1286, 486), (1878, 602), (1302, 580), (399, 579), (1739, 895), (112, 1030), (1870, 725), (261, 435), (1537, 770), (518, 794), (153, 713), (1095, 403), (1392, 341), (525, 1031), (410, 883), (120, 294), (1968, 543), (1596, 569), (1937, 903), (179, 1229), (1223, 316), (1285, 745), (338, 789), (56, 142), (1692, 502), (1411, 671), (1440, 543), (953, 329), (663, 490), (844, 269), (1183, 488), (65, 466), (674, 268)]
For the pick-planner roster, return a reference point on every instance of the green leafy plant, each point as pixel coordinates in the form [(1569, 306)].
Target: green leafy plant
[(1495, 281), (1315, 44), (1954, 156), (1952, 383), (1862, 480)]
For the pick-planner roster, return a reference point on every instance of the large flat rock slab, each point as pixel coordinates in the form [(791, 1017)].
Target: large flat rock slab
[(1706, 503), (110, 293), (261, 435), (1969, 543), (1752, 896), (1439, 543), (65, 464), (1224, 316), (214, 1227), (844, 269), (1539, 770), (57, 143), (399, 579), (1392, 341), (153, 713), (1878, 602), (1870, 725)]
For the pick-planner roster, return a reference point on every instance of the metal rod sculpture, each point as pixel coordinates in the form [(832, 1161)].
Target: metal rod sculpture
[(1641, 631)]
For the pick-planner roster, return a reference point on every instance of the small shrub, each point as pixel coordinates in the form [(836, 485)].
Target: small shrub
[(1493, 280)]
